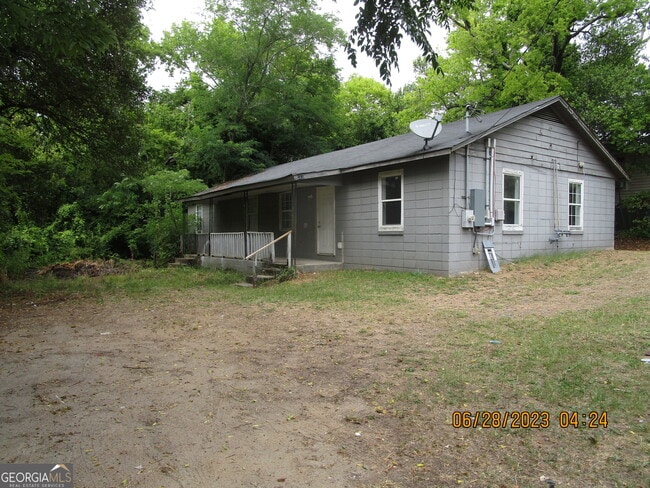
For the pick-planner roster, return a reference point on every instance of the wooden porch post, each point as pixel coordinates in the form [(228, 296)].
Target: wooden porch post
[(294, 224), (246, 250)]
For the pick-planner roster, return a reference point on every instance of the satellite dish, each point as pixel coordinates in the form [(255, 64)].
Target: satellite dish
[(426, 128)]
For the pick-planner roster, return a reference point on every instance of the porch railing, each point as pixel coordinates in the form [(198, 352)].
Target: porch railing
[(233, 245), (271, 245)]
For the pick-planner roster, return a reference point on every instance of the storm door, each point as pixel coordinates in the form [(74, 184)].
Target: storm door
[(325, 221)]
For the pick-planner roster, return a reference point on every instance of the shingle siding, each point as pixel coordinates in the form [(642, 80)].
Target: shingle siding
[(420, 247), (548, 143)]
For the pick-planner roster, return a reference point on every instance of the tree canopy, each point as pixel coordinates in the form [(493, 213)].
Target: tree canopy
[(382, 25), (503, 53), (75, 70), (261, 84)]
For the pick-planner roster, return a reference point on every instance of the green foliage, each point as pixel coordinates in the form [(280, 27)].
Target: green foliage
[(260, 87), (142, 217), (505, 53), (611, 90), (368, 112), (71, 90), (637, 214), (75, 72), (381, 26), (26, 246), (287, 274)]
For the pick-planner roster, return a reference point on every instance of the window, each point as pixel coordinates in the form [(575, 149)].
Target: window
[(391, 198), (198, 218), (576, 198), (513, 200), (286, 211)]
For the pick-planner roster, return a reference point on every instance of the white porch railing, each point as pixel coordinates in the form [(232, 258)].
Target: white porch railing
[(256, 254), (231, 245)]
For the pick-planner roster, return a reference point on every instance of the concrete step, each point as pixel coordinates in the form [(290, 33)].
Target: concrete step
[(261, 278), (185, 261)]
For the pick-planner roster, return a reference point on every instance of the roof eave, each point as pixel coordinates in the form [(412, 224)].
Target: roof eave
[(586, 130), (238, 189)]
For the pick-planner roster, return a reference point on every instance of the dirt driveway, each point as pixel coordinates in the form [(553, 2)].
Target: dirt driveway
[(194, 391)]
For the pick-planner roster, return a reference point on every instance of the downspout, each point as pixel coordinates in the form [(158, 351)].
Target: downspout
[(556, 196), (491, 196), (466, 177), (488, 178)]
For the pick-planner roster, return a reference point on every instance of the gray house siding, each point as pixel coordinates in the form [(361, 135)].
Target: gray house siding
[(533, 146), (422, 244)]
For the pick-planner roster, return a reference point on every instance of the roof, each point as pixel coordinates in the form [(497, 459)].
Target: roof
[(407, 147)]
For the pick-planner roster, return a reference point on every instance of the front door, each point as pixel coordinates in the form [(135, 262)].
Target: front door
[(325, 221)]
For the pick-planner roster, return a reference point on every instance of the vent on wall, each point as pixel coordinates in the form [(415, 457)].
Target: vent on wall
[(548, 115)]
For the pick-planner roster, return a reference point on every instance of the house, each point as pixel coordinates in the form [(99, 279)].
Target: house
[(526, 180)]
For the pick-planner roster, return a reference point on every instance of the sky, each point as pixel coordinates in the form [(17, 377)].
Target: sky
[(165, 13)]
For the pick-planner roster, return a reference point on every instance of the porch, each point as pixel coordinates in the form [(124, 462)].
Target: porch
[(242, 251), (240, 230)]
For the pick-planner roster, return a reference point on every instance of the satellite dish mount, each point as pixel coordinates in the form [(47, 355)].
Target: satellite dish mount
[(426, 129)]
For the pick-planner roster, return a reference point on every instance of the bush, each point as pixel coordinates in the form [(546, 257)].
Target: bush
[(636, 209)]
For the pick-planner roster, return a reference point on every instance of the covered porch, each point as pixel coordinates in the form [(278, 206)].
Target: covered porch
[(286, 225)]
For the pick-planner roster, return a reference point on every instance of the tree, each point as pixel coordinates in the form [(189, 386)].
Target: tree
[(262, 83), (368, 112), (611, 89), (142, 217), (381, 26), (71, 89), (507, 52), (75, 70)]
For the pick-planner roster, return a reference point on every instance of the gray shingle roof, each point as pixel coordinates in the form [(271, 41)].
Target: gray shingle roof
[(403, 148)]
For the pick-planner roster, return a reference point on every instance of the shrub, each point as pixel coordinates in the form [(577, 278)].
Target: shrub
[(637, 209)]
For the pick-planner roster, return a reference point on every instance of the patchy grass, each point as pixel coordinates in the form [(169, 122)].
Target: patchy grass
[(138, 283), (550, 334)]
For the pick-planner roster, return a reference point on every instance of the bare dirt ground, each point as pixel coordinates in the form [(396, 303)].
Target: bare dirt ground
[(189, 390)]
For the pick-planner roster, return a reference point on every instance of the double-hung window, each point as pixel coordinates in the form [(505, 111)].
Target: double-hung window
[(513, 208), (391, 201), (576, 207)]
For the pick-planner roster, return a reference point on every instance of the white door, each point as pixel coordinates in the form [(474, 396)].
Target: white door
[(325, 221)]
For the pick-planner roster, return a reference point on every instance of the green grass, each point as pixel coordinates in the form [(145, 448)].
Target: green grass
[(433, 362), (573, 361), (355, 288), (586, 360), (137, 283), (337, 287)]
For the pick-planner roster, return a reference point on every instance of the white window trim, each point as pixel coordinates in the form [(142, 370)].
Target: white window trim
[(380, 202), (520, 174), (581, 206)]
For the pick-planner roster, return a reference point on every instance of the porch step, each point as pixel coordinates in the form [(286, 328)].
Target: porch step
[(261, 278), (187, 260), (267, 272)]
